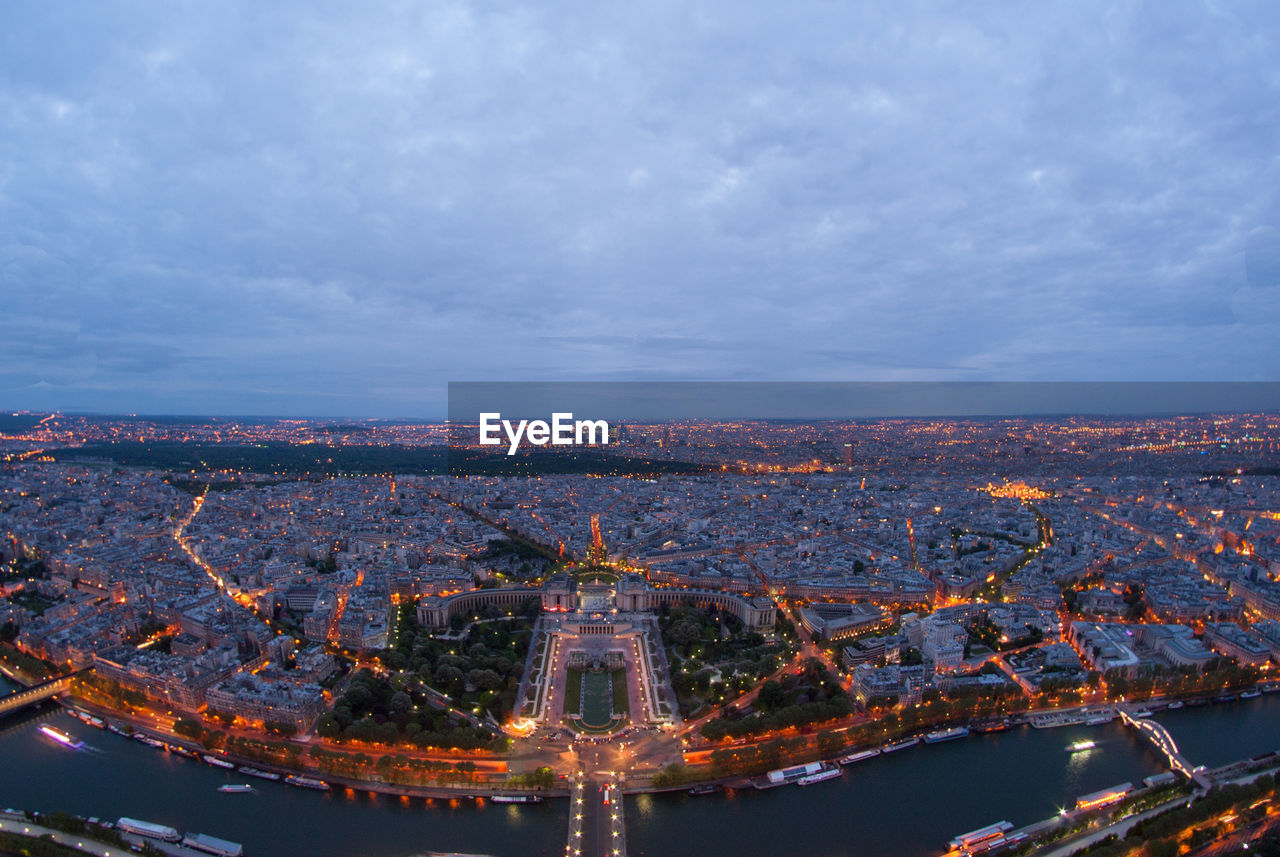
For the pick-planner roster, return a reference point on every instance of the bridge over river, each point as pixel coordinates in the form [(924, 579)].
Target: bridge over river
[(35, 693), (1159, 737), (597, 824)]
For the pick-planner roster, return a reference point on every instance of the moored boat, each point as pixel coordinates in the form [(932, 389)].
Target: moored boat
[(858, 757), (135, 826), (307, 783), (946, 734), (213, 845), (515, 799), (216, 762), (821, 776), (990, 726), (900, 745), (262, 775)]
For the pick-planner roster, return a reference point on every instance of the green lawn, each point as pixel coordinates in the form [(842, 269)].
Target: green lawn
[(621, 706), (573, 692)]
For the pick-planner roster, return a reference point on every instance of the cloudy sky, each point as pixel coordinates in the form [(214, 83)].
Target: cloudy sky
[(334, 209)]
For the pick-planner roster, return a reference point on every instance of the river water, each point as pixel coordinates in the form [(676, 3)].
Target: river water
[(904, 805)]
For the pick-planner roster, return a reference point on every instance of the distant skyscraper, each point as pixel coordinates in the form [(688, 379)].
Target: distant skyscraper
[(848, 454)]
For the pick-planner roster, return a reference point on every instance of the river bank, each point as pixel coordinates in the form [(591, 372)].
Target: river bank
[(905, 804), (641, 783)]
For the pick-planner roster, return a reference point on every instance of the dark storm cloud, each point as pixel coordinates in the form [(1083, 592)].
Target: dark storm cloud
[(302, 208)]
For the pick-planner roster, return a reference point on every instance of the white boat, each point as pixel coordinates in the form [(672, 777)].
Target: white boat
[(1081, 745), (981, 836), (216, 762), (1055, 719), (821, 776), (858, 757), (1251, 694), (946, 734), (61, 737), (900, 745), (784, 776), (307, 783), (236, 788), (1175, 705), (515, 798), (213, 845), (86, 717), (145, 828)]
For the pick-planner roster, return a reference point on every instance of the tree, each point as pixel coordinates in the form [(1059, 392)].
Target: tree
[(280, 727), (328, 726), (772, 695), (399, 706), (446, 675), (484, 679), (189, 728), (686, 631)]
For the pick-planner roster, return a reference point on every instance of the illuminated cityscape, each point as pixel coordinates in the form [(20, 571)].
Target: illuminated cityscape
[(810, 596)]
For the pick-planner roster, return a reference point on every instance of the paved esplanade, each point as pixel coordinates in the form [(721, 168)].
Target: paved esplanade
[(597, 826)]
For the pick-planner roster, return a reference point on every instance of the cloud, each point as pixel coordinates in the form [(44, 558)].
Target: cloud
[(334, 210)]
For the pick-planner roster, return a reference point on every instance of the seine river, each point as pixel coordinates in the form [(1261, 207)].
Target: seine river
[(906, 804)]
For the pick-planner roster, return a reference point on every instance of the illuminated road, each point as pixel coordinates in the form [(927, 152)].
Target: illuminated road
[(597, 824), (70, 840)]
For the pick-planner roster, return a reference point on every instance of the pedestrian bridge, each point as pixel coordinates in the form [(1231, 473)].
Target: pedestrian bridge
[(1160, 738)]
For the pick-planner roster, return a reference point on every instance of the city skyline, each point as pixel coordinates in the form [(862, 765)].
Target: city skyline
[(300, 212), (739, 607)]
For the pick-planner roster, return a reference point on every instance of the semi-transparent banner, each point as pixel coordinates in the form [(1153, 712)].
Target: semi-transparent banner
[(651, 428)]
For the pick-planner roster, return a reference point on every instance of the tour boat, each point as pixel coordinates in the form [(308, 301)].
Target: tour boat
[(62, 737)]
